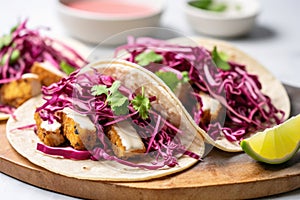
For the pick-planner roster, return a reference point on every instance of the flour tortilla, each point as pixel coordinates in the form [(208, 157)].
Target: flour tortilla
[(271, 86), (25, 141)]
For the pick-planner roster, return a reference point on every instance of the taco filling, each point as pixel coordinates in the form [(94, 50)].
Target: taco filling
[(222, 97), (30, 52), (101, 119)]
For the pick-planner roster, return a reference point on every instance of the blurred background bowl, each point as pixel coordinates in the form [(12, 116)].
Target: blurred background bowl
[(237, 19), (87, 23)]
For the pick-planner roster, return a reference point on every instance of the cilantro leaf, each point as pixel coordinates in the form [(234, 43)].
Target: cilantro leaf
[(185, 77), (5, 40), (219, 61), (14, 56), (114, 87), (117, 101), (146, 58), (169, 78), (14, 28), (68, 69), (141, 104), (99, 89)]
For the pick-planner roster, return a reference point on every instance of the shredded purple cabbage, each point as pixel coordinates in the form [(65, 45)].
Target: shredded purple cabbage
[(247, 108), (66, 152), (27, 46), (158, 135), (7, 110)]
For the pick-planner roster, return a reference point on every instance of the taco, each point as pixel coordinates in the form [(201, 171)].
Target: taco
[(30, 59), (226, 92), (112, 121)]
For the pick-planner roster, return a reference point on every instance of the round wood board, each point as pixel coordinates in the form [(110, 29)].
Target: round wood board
[(220, 175)]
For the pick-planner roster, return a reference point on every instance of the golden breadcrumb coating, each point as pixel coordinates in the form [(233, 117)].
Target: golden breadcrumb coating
[(118, 147), (78, 137), (46, 76), (48, 137), (17, 92)]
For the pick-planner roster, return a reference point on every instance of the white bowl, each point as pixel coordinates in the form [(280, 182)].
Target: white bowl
[(97, 28), (230, 23)]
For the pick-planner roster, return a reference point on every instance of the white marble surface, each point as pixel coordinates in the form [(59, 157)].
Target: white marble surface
[(274, 42)]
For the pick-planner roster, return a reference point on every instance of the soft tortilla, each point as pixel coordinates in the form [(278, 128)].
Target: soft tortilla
[(271, 86), (25, 141)]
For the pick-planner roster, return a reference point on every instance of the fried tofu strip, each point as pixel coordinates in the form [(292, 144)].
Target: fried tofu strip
[(80, 132), (47, 73), (212, 109), (78, 129), (49, 134), (17, 92), (125, 140)]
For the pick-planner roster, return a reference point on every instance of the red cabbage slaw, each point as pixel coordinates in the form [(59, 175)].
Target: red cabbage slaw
[(247, 108), (7, 110), (24, 46), (158, 134)]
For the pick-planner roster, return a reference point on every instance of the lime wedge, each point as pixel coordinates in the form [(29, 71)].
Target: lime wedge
[(275, 145)]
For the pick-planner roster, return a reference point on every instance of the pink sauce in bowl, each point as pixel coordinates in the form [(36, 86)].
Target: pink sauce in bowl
[(95, 21), (118, 8)]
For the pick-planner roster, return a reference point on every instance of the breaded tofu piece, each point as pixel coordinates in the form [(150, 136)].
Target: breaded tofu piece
[(46, 72), (78, 129), (49, 134), (212, 109), (17, 92), (125, 140)]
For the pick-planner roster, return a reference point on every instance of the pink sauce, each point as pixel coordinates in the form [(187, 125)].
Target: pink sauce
[(112, 7)]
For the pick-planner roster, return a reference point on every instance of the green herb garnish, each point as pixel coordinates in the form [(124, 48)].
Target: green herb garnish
[(171, 79), (209, 5), (14, 28), (15, 55), (99, 89), (68, 69), (203, 4), (148, 57), (142, 104), (219, 60), (117, 101), (5, 40), (185, 77)]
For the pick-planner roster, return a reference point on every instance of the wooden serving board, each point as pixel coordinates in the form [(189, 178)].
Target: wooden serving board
[(220, 175)]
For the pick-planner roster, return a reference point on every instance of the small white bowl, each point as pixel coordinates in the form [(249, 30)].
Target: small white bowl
[(238, 19), (97, 28)]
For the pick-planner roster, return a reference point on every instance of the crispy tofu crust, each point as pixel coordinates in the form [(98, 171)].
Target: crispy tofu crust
[(17, 92), (118, 148), (46, 76), (78, 137), (50, 138), (70, 131)]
